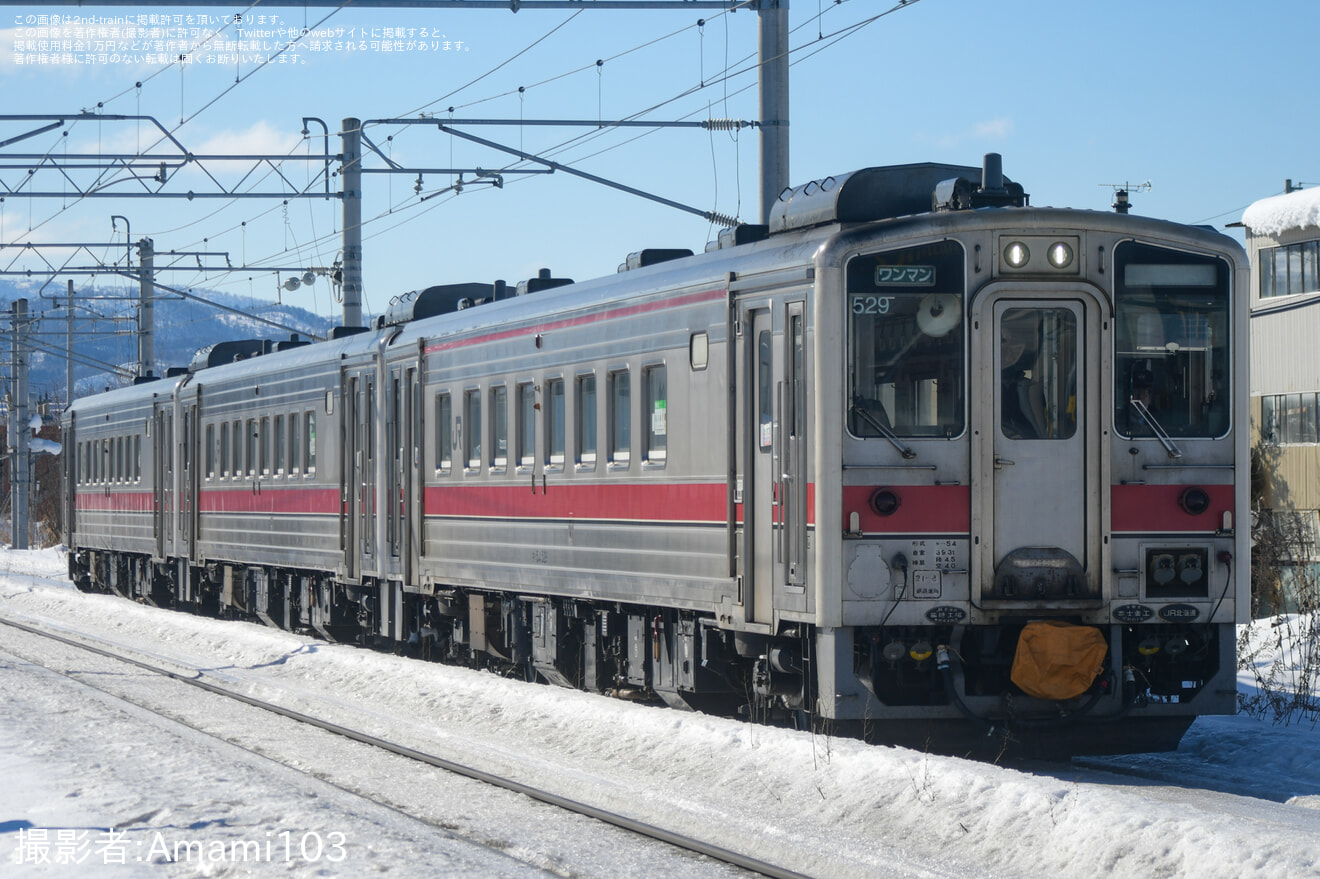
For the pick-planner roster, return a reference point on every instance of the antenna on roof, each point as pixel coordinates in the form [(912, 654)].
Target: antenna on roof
[(1121, 190)]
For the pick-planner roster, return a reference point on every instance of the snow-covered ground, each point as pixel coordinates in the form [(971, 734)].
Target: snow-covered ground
[(1241, 797)]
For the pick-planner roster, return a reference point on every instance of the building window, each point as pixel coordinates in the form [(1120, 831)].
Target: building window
[(1290, 269), (1289, 418)]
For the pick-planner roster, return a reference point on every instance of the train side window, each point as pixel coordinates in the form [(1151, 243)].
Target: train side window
[(250, 453), (444, 436), (699, 351), (224, 450), (554, 423), (620, 439), (263, 443), (526, 427), (137, 458), (210, 451), (586, 422), (277, 444), (309, 442), (499, 426), (656, 412), (472, 435), (764, 389), (237, 469), (295, 444)]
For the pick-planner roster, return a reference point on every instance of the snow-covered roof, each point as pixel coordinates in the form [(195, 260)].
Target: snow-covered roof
[(1296, 210)]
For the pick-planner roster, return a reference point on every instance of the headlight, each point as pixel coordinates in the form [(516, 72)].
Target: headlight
[(1060, 255), (1016, 254)]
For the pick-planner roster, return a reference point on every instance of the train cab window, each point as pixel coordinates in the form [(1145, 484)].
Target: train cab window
[(1172, 358), (309, 443), (620, 416), (656, 412), (906, 342), (586, 422), (472, 432), (499, 427), (444, 437), (526, 427), (555, 417)]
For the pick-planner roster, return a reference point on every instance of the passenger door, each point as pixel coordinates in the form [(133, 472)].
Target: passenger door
[(1040, 446), (773, 453)]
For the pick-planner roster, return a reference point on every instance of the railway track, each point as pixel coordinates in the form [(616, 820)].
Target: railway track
[(224, 685)]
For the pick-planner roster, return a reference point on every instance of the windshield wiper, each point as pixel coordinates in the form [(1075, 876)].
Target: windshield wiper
[(1160, 433), (885, 432)]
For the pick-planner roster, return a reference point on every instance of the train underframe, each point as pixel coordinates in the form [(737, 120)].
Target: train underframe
[(941, 687)]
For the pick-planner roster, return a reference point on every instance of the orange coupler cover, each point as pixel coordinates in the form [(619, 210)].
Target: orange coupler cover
[(1058, 660)]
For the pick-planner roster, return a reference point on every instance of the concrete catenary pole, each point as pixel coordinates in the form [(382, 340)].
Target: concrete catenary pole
[(772, 48), (351, 181), (19, 453), (146, 308)]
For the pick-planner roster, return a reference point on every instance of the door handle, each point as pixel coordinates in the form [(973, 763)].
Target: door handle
[(1002, 462)]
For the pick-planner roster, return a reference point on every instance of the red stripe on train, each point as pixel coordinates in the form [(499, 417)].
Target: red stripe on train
[(114, 502), (1146, 508), (659, 502), (280, 501), (922, 509)]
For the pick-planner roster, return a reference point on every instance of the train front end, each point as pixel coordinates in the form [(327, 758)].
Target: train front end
[(1032, 440)]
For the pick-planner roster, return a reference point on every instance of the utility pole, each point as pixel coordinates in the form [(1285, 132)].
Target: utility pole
[(19, 455), (146, 309), (351, 181), (772, 49)]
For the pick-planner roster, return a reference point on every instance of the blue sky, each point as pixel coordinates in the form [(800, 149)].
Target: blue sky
[(1206, 100)]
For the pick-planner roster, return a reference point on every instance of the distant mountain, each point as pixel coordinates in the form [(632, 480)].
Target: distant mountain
[(105, 331)]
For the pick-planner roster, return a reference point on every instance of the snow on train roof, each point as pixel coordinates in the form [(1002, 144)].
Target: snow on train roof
[(1279, 213)]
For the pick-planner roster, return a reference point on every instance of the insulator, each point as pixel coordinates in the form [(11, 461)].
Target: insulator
[(724, 124), (721, 219)]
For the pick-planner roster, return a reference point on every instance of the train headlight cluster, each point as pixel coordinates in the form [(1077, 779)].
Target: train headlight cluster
[(1040, 254)]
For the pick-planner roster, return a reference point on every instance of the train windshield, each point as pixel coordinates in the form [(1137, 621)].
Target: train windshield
[(906, 342), (1171, 365)]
